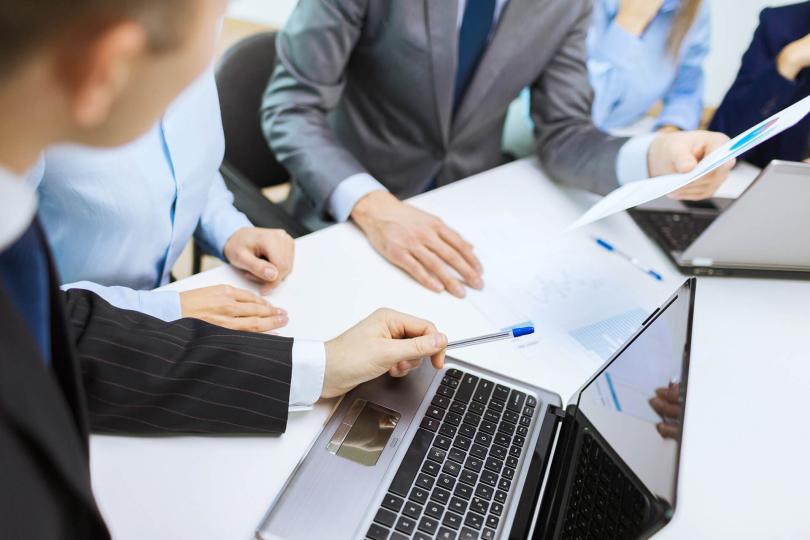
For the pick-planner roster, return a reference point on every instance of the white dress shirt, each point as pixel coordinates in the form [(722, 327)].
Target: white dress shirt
[(631, 163)]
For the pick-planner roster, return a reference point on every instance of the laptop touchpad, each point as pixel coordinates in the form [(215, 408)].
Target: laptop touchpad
[(364, 432)]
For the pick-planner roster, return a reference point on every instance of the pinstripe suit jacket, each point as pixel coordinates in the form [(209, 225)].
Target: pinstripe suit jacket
[(117, 371)]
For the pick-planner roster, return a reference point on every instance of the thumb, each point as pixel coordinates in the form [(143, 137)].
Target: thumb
[(259, 267), (685, 162), (415, 348)]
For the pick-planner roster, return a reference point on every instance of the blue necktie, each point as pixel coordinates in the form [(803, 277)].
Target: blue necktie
[(24, 275), (472, 42)]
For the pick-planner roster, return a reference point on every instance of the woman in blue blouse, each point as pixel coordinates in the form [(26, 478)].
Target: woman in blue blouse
[(641, 52)]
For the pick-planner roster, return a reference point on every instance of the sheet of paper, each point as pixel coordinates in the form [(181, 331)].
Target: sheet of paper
[(584, 302), (637, 193)]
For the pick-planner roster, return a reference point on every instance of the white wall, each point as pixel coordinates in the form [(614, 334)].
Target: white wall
[(733, 24)]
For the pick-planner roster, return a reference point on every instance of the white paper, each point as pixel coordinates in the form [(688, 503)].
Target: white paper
[(637, 193)]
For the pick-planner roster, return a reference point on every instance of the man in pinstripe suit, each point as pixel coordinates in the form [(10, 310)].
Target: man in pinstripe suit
[(99, 72)]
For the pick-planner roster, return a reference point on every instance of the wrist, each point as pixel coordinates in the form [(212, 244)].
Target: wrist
[(231, 244), (366, 206), (788, 63)]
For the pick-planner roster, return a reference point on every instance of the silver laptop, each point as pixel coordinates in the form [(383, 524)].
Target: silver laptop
[(763, 233), (465, 453)]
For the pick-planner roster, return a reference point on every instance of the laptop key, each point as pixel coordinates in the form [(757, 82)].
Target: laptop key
[(497, 451), (430, 424), (496, 508), (458, 505), (446, 481), (452, 520), (468, 477), (477, 408), (419, 495), (419, 535), (522, 431), (392, 502), (468, 534), (515, 402), (464, 491), (410, 463), (489, 478), (450, 381), (519, 440), (445, 391), (440, 401), (487, 534), (497, 405), (456, 454), (440, 495), (492, 416), (431, 467), (458, 407), (525, 421), (484, 491), (436, 454), (488, 427), (462, 442), (454, 373), (500, 496), (514, 451), (483, 391), (479, 505), (478, 451), (507, 427), (474, 520), (472, 419), (433, 509), (531, 401), (448, 430), (385, 517), (452, 468), (528, 411), (501, 392), (467, 430), (512, 461), (492, 521), (445, 534), (508, 473), (406, 525), (425, 481), (442, 442), (474, 463), (412, 510), (435, 412), (453, 418), (504, 484), (511, 416), (494, 464), (484, 439), (429, 525), (377, 532), (466, 387)]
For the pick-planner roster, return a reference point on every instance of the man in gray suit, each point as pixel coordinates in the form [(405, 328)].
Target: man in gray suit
[(374, 101)]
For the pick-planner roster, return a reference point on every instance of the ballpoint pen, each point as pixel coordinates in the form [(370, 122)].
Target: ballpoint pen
[(632, 260), (506, 334)]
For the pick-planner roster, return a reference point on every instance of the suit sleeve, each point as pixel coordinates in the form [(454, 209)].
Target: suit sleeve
[(313, 51), (146, 376), (570, 147), (758, 92)]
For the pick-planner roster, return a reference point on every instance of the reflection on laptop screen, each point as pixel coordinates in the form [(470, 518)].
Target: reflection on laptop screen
[(636, 404)]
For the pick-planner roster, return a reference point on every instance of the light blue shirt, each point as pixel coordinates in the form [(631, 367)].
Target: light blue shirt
[(630, 74), (631, 164), (118, 219)]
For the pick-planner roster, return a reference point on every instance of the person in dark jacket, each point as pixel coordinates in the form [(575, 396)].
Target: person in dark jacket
[(774, 74)]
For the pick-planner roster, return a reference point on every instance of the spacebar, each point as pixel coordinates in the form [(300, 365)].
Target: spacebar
[(410, 464)]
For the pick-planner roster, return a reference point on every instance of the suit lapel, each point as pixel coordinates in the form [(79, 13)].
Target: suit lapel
[(442, 17), (49, 413), (517, 22)]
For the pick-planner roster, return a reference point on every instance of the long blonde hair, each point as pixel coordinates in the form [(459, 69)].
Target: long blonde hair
[(684, 20)]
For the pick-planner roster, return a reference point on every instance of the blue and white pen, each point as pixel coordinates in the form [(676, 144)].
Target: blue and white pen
[(632, 260), (513, 333)]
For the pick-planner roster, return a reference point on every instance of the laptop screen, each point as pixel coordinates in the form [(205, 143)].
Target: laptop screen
[(636, 403)]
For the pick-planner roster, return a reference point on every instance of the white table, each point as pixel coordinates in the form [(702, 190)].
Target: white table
[(744, 469)]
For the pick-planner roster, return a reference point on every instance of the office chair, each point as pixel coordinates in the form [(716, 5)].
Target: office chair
[(249, 165)]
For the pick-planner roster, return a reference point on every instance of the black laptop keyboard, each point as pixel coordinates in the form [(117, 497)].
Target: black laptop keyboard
[(455, 477), (676, 230), (603, 503)]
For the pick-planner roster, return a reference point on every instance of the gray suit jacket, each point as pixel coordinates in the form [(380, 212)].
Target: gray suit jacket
[(367, 86)]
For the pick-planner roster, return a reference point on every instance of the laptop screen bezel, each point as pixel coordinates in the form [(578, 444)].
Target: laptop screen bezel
[(687, 288)]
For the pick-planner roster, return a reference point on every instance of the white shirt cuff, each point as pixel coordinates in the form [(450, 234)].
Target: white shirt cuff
[(308, 367), (348, 192), (632, 163)]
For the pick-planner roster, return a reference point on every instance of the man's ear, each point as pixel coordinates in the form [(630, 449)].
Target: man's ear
[(101, 70)]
